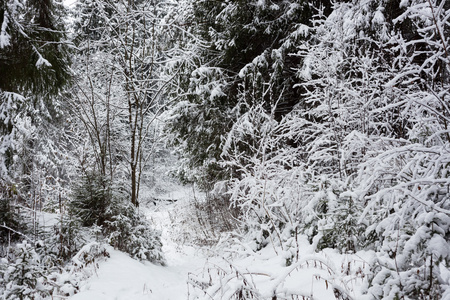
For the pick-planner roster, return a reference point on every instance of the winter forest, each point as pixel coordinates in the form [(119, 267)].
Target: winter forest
[(233, 149)]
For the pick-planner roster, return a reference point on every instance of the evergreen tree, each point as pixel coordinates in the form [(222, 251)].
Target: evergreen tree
[(246, 63), (34, 62), (24, 275), (35, 67), (33, 53)]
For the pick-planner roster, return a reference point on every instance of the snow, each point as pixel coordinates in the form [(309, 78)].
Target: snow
[(4, 36), (221, 270), (70, 3), (378, 18), (121, 277), (42, 61), (317, 275)]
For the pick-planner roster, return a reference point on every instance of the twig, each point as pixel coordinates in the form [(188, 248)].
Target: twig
[(15, 231)]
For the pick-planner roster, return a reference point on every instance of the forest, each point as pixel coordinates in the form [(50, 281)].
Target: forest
[(310, 140)]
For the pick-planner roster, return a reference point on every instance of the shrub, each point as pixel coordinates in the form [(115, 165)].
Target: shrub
[(128, 230), (23, 276)]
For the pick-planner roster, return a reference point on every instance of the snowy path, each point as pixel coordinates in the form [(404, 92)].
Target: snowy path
[(123, 278)]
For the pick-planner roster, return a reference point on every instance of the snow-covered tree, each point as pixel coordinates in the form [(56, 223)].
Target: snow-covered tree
[(243, 62), (360, 161), (23, 275), (120, 87), (35, 63)]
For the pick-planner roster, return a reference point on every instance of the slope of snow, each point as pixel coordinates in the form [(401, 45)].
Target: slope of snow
[(121, 277), (315, 275)]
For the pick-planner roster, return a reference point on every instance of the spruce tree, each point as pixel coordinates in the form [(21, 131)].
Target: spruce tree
[(33, 54), (34, 63), (243, 62)]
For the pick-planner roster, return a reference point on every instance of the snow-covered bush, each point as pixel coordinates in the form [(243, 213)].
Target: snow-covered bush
[(98, 203), (335, 218), (408, 211), (88, 254), (23, 275), (26, 275), (62, 241), (213, 215), (66, 281), (92, 196), (323, 275), (128, 230)]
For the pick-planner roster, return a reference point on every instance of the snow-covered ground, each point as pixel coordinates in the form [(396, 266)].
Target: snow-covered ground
[(314, 275), (123, 278)]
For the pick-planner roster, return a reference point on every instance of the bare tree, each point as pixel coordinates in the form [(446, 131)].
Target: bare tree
[(120, 92)]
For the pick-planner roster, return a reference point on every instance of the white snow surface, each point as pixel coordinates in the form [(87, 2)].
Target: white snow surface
[(123, 278)]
